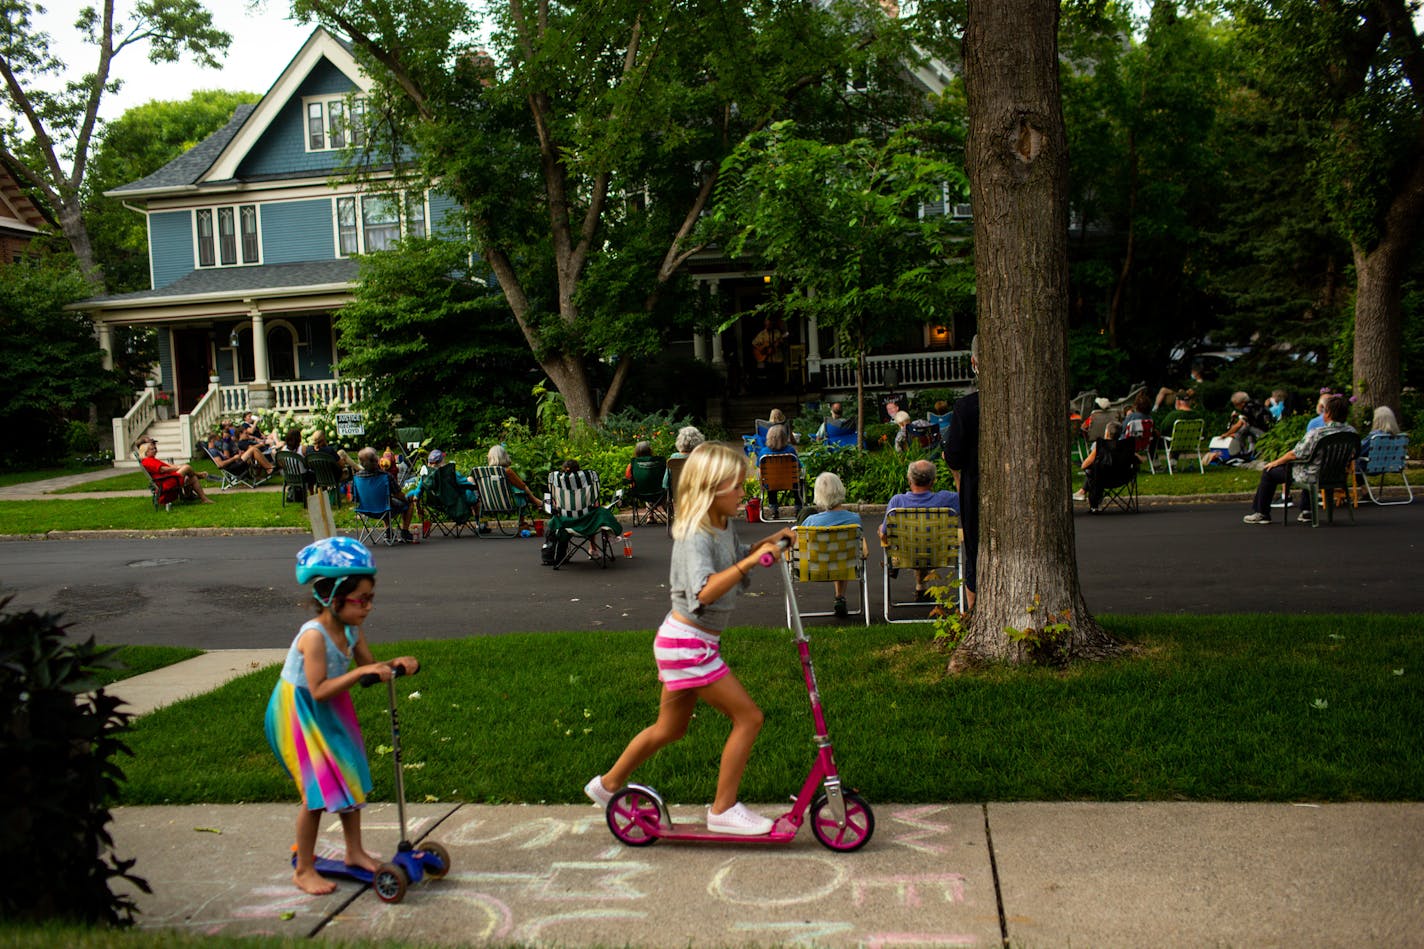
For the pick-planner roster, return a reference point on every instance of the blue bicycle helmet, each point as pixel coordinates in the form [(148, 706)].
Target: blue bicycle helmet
[(334, 557)]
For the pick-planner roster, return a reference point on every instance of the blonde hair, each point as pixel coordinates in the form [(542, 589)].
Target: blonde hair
[(708, 467)]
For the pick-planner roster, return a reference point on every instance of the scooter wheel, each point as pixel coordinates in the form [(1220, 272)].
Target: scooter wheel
[(633, 817), (439, 853), (390, 883), (859, 825)]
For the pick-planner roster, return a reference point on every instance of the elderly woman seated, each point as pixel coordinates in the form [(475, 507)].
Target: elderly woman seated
[(828, 494), (522, 493), (370, 461), (688, 438), (778, 442)]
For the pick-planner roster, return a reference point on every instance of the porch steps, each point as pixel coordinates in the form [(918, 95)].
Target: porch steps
[(168, 433)]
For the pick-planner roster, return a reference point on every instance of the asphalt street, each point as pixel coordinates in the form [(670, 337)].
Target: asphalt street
[(215, 592)]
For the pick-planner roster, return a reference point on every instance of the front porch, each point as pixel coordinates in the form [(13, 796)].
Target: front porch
[(189, 429)]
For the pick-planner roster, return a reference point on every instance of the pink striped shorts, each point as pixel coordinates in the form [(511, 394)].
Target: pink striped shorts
[(687, 657)]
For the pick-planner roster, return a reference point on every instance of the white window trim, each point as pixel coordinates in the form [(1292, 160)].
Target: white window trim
[(347, 100), (217, 263), (361, 231)]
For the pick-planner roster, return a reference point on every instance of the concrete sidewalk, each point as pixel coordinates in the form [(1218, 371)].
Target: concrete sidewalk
[(938, 875)]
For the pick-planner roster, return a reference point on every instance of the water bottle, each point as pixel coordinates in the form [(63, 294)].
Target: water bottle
[(628, 544)]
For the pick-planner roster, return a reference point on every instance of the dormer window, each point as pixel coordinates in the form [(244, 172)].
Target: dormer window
[(334, 122), (227, 236)]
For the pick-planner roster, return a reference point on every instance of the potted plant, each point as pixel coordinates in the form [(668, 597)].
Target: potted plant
[(164, 403)]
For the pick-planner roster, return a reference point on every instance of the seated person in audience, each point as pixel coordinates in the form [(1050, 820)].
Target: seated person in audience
[(320, 446), (227, 456), (168, 475), (1337, 410), (1109, 464), (778, 442), (1184, 407), (523, 495), (1166, 394), (1319, 420), (371, 463), (688, 438), (643, 449), (1098, 419), (828, 494), (1384, 424), (1141, 411), (836, 416), (921, 478), (293, 443), (1276, 404), (1249, 421)]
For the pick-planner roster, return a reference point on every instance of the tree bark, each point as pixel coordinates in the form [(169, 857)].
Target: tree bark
[(1018, 166)]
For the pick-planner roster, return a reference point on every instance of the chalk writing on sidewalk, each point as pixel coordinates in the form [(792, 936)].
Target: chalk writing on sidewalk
[(744, 881), (906, 889), (916, 817), (530, 834)]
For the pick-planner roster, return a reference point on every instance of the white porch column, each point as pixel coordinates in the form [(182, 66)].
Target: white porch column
[(699, 344), (259, 393), (106, 344), (813, 346), (718, 359)]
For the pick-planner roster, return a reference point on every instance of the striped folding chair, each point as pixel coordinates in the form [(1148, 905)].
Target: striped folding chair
[(920, 538), (823, 554), (496, 498), (579, 519)]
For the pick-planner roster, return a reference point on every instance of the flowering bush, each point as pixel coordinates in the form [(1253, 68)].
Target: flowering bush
[(162, 398)]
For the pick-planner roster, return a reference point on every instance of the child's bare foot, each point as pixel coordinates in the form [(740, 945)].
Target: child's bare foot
[(366, 861), (309, 881)]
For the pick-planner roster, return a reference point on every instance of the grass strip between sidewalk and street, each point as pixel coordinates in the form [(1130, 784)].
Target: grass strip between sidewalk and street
[(1237, 708), (235, 509), (136, 660), (17, 935)]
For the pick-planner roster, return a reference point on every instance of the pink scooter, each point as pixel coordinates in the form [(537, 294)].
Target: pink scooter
[(840, 819)]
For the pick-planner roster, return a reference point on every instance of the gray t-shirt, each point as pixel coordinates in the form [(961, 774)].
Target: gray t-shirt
[(694, 559)]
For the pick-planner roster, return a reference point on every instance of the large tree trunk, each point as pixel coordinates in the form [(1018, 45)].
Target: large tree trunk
[(1018, 166), (1378, 327)]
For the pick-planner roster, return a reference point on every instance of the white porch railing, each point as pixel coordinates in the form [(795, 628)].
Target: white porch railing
[(309, 394), (199, 422), (134, 423), (914, 369)]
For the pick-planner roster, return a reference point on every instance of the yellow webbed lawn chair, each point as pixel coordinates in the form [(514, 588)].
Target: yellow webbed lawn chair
[(823, 554), (921, 538)]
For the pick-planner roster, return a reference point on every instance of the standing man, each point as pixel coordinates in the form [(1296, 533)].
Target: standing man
[(961, 453)]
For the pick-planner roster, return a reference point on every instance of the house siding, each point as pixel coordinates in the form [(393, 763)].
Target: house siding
[(294, 231), (165, 361), (170, 244), (282, 148), (444, 216)]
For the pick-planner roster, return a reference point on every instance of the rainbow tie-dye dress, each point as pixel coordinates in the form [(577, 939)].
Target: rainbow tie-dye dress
[(319, 743)]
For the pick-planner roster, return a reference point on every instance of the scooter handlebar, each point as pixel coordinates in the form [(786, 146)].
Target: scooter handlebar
[(768, 558), (370, 678)]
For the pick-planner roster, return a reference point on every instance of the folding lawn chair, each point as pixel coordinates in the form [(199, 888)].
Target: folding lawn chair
[(1114, 477), (823, 554), (578, 522), (674, 472), (496, 498), (1139, 433), (920, 538), (647, 492), (166, 489), (444, 501), (777, 473), (841, 434), (238, 474), (1387, 457), (1185, 438), (373, 511)]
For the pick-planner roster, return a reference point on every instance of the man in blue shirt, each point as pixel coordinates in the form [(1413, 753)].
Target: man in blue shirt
[(921, 476), (1337, 409)]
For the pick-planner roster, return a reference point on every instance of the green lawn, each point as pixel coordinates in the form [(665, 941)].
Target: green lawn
[(1250, 708), (136, 660), (41, 474), (133, 480), (240, 507), (15, 935)]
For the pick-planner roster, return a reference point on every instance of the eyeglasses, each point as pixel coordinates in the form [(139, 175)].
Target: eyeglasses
[(361, 601)]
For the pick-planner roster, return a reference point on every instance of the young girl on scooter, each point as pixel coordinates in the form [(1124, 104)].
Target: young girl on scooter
[(708, 567), (311, 721)]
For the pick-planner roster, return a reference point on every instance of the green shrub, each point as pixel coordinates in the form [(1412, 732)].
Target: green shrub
[(1282, 437), (80, 439), (58, 743)]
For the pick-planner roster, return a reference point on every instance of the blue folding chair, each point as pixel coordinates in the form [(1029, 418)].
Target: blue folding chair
[(373, 511)]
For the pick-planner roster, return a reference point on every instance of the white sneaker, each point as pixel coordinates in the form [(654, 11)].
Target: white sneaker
[(1256, 519), (597, 793), (1304, 518), (739, 822), (1080, 496)]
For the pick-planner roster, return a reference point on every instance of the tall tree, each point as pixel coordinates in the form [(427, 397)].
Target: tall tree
[(1028, 590), (584, 144), (1353, 70), (46, 133), (840, 226)]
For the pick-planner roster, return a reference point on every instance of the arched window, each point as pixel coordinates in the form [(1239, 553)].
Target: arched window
[(281, 351)]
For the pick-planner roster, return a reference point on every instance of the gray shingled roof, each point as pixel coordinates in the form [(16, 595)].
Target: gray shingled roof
[(236, 281), (188, 167)]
